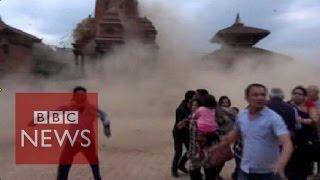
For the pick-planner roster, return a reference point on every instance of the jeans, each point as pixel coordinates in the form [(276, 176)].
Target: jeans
[(63, 171), (180, 140), (66, 160)]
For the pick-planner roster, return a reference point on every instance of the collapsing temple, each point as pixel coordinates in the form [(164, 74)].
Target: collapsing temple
[(237, 42), (115, 23)]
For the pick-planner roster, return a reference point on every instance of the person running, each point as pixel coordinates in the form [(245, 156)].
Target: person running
[(237, 149), (313, 99), (204, 134), (224, 101), (300, 165), (205, 116), (286, 111), (81, 104), (225, 117), (181, 136), (201, 93), (194, 149), (262, 131)]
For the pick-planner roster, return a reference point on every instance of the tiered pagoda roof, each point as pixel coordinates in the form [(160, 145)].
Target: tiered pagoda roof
[(239, 35)]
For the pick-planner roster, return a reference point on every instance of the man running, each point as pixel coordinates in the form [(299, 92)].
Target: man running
[(286, 111), (86, 118), (181, 136), (262, 131)]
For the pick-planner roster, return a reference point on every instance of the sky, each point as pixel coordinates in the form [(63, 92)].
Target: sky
[(294, 24)]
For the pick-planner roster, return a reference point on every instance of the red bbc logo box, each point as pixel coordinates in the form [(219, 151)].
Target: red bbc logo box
[(56, 128)]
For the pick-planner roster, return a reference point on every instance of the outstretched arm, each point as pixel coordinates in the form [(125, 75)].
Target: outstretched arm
[(105, 122)]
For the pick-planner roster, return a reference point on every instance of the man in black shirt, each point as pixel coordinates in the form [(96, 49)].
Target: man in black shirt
[(181, 136), (285, 110)]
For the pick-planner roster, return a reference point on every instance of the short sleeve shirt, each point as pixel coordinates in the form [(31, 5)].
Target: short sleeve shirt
[(261, 147)]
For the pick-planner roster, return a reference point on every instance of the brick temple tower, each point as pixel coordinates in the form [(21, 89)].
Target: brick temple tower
[(115, 22)]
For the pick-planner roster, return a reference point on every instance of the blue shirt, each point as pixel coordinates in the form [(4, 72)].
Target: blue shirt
[(318, 103), (260, 139)]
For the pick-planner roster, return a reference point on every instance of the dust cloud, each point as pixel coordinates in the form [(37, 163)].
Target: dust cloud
[(140, 89)]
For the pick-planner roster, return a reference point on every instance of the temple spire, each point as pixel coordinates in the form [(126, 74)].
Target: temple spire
[(238, 19), (239, 34)]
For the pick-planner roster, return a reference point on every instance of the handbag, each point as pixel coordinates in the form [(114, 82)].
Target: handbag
[(219, 154)]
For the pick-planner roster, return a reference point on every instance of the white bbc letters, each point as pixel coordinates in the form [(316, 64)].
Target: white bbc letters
[(71, 117), (56, 117), (40, 117)]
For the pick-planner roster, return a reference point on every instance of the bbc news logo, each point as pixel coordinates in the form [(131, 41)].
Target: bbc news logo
[(51, 128), (55, 118)]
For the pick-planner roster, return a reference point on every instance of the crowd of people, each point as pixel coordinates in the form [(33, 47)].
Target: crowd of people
[(271, 138)]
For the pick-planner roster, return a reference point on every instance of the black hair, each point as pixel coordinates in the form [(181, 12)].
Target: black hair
[(189, 95), (208, 101), (202, 92), (79, 88), (248, 89), (223, 98), (300, 88)]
